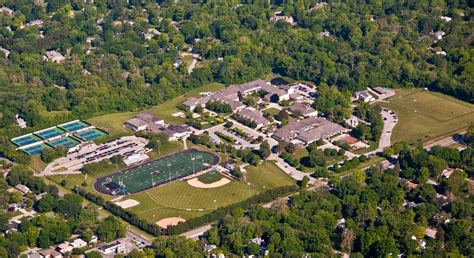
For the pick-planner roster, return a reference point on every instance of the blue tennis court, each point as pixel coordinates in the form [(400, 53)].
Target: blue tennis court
[(90, 134), (73, 126), (37, 149), (63, 142), (49, 133), (25, 140)]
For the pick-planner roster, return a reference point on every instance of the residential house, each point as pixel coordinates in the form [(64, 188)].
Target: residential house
[(364, 96), (6, 11), (34, 23), (431, 233), (6, 52), (255, 116), (53, 56), (20, 121), (278, 16), (78, 243), (34, 255), (209, 248), (50, 253), (303, 109), (64, 248), (12, 207), (114, 247), (22, 188)]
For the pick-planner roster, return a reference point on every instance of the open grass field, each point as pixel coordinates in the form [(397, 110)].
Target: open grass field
[(181, 199), (425, 115), (113, 123)]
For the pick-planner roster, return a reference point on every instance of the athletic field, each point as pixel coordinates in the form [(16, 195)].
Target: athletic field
[(425, 115), (156, 172)]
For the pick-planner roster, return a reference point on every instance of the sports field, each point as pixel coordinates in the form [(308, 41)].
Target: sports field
[(37, 149), (73, 126), (25, 140), (90, 134), (63, 142), (425, 115), (49, 133), (181, 199), (156, 172)]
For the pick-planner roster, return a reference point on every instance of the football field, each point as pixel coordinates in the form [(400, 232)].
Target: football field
[(156, 172)]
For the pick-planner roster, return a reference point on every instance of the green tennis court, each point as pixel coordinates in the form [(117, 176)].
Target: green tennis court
[(90, 134), (49, 133), (156, 172), (73, 126), (25, 140), (63, 142)]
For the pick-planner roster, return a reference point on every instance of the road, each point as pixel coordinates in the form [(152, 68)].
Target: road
[(197, 232), (390, 121)]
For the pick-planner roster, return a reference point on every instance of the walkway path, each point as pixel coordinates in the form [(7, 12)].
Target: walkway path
[(24, 214)]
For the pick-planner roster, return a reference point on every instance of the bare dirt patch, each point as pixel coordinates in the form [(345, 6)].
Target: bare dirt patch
[(171, 221), (127, 203), (196, 183)]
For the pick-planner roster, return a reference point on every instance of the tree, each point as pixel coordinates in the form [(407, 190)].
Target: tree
[(264, 150), (70, 205), (304, 182), (110, 228)]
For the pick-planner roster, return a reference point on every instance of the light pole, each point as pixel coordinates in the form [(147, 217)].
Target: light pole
[(158, 141), (215, 204), (192, 161)]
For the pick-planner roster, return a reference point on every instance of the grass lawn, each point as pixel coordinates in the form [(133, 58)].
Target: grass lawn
[(187, 59), (181, 199), (271, 111), (113, 123), (37, 164), (425, 115)]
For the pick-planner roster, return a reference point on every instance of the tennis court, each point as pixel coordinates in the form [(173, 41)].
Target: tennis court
[(37, 149), (156, 172), (73, 126), (49, 133), (63, 142), (91, 134), (25, 140)]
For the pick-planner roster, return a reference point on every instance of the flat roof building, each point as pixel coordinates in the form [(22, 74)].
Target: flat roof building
[(308, 130)]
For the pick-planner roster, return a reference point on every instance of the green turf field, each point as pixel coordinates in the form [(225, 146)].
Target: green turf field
[(425, 115), (157, 172), (181, 199)]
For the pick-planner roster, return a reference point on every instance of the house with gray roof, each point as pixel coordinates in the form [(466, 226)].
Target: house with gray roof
[(303, 109), (255, 116)]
